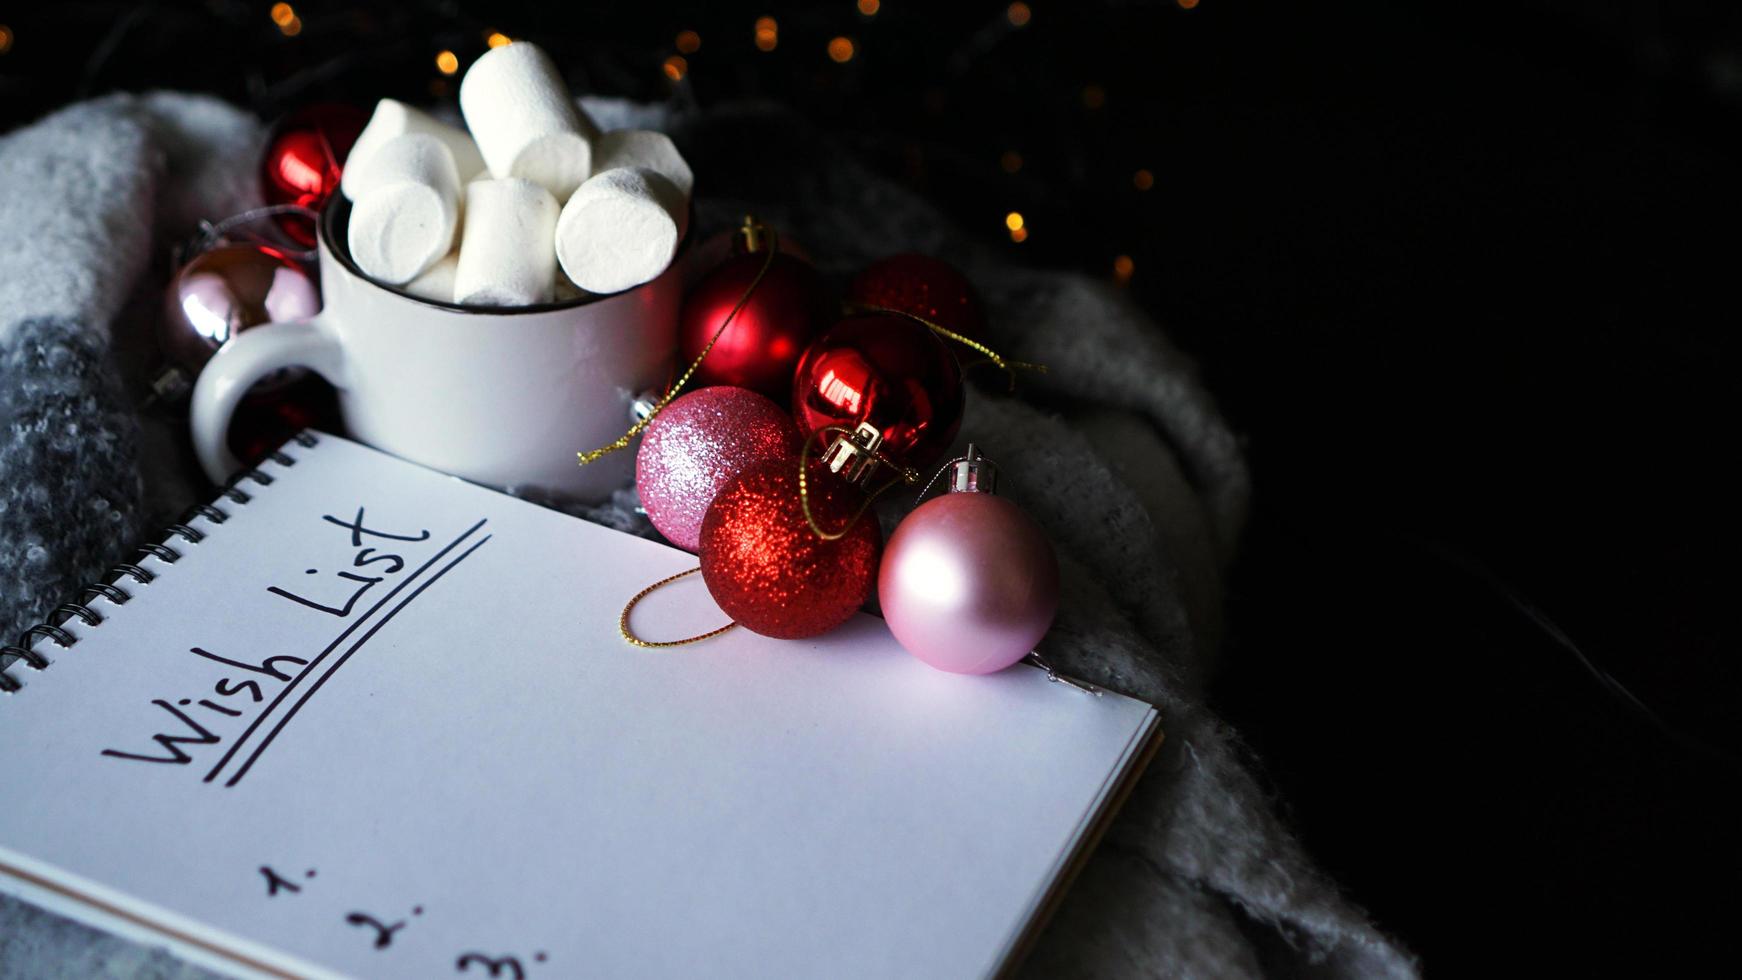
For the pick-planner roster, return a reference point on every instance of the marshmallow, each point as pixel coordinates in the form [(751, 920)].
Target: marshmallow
[(437, 282), (393, 118), (644, 148), (620, 229), (525, 122), (407, 207), (506, 255)]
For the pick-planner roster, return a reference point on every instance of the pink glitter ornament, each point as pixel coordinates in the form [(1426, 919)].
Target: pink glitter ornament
[(698, 444), (968, 583)]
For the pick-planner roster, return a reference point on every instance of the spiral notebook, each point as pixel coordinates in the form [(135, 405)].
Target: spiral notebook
[(358, 718)]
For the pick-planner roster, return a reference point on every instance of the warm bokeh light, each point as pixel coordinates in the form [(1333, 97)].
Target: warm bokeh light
[(688, 41), (1018, 13), (767, 33), (869, 7), (293, 28), (447, 63), (1010, 161), (5, 39), (676, 67), (282, 14), (1187, 4), (1013, 221), (497, 39), (1143, 180), (841, 50), (1019, 235), (1094, 96), (1122, 269)]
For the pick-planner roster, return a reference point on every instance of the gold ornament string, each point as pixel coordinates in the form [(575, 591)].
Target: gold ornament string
[(633, 640), (1004, 364), (902, 475), (622, 442)]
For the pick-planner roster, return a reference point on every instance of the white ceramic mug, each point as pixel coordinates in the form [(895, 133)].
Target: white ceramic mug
[(503, 397)]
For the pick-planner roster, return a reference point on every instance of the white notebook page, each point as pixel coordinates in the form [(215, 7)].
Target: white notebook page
[(455, 763)]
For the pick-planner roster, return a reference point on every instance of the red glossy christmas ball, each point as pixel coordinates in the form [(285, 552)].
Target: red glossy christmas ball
[(763, 343), (768, 571), (925, 287), (887, 370), (305, 156)]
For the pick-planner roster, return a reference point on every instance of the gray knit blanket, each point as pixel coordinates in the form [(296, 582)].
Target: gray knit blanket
[(1118, 451)]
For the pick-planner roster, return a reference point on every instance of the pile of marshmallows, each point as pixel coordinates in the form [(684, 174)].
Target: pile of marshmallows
[(485, 219)]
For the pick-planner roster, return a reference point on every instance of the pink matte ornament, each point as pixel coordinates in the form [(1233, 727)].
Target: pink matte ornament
[(697, 445), (968, 583)]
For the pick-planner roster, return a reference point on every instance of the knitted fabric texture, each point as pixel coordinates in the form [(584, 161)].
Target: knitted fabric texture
[(1198, 876)]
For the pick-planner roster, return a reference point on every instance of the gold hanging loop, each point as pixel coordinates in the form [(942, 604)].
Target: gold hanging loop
[(1003, 363), (750, 230), (633, 640)]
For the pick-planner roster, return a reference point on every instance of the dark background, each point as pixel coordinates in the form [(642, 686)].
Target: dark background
[(1465, 277)]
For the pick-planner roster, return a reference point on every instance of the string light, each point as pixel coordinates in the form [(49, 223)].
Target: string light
[(497, 39), (767, 33), (676, 67), (5, 39), (284, 15), (1010, 161), (1143, 180), (1122, 269), (841, 50), (1018, 14), (1094, 96), (1019, 235), (869, 7), (447, 62), (688, 41)]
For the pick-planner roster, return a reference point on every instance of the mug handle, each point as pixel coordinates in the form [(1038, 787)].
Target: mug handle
[(248, 357)]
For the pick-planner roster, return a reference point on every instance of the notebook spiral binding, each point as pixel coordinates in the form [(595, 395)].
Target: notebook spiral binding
[(23, 651)]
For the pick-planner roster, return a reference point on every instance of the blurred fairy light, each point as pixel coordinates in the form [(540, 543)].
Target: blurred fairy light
[(447, 62), (1143, 180), (841, 50), (676, 67), (1010, 161), (1017, 227), (497, 39), (1018, 14), (1122, 269), (767, 33), (1019, 235), (1187, 4), (5, 39), (284, 15), (1094, 96), (869, 7), (688, 41)]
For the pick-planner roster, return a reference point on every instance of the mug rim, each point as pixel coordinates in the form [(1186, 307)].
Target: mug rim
[(338, 211)]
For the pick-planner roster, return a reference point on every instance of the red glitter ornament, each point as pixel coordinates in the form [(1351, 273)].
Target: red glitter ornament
[(887, 370), (763, 343), (768, 571), (305, 156), (924, 287)]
